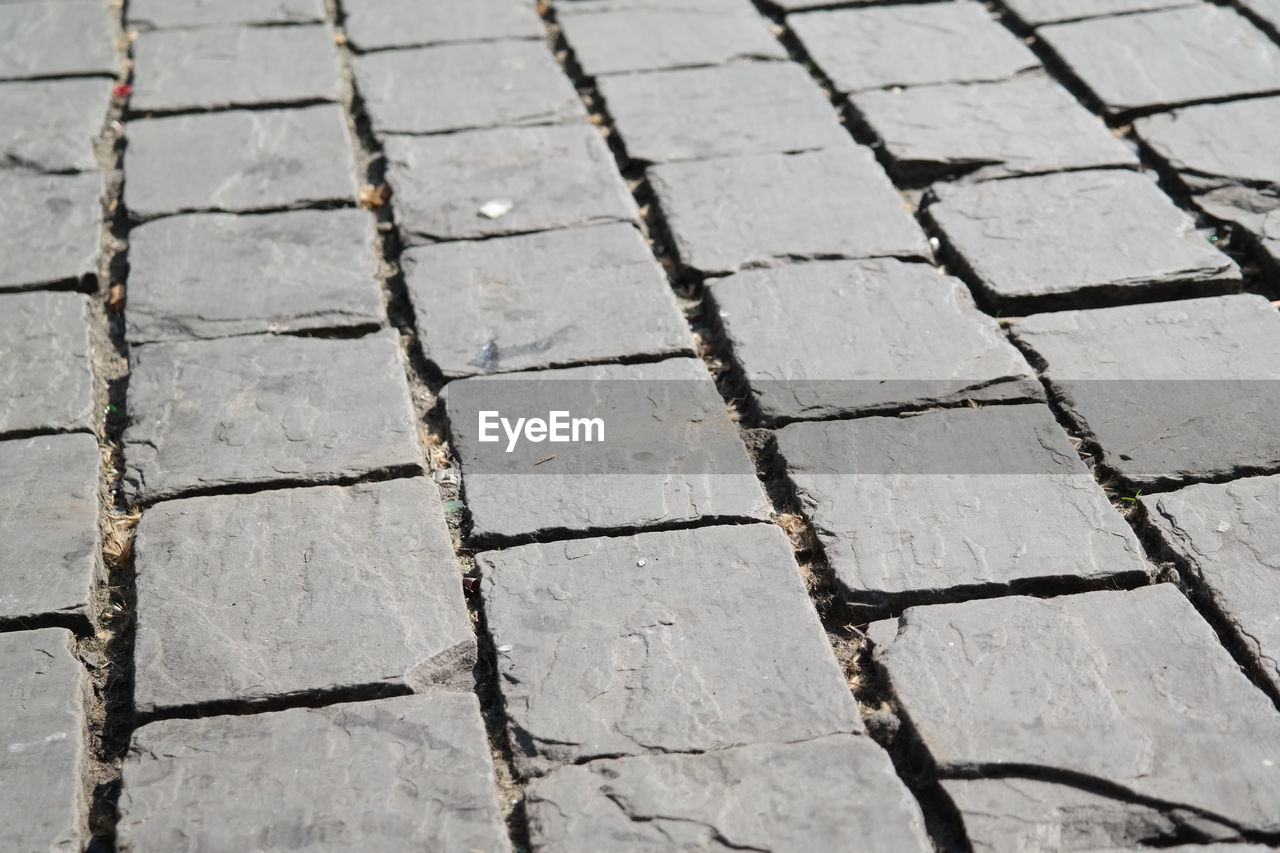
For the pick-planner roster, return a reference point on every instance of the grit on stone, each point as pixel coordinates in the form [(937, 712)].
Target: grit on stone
[(372, 24), (505, 181), (1027, 124), (159, 14), (50, 227), (1168, 57), (217, 275), (282, 593), (731, 213), (47, 383), (474, 85), (863, 48), (1036, 12), (1138, 676), (234, 411), (1229, 535), (40, 725), (53, 123), (955, 499), (48, 524), (536, 300), (1171, 391), (762, 108), (239, 160), (405, 774), (678, 641), (62, 39), (1041, 242), (831, 794), (838, 337), (234, 66)]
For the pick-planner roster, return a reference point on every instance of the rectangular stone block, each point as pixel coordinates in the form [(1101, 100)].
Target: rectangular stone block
[(218, 275), (1036, 12), (210, 414), (537, 300), (63, 39), (54, 123), (637, 645), (47, 381), (160, 14), (375, 24), (50, 228), (405, 774)]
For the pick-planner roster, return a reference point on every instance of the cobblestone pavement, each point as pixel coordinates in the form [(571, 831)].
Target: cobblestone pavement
[(938, 350)]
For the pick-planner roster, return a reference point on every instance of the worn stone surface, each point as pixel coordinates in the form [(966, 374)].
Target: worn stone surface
[(1027, 124), (957, 498), (53, 123), (66, 38), (865, 48), (1138, 676), (834, 793), (838, 337), (731, 213), (40, 725), (374, 24), (239, 160), (553, 177), (47, 383), (215, 275), (278, 593), (211, 13), (1229, 535), (537, 301), (1043, 242), (50, 226), (1035, 12), (626, 646), (1170, 391), (206, 414), (402, 774), (762, 108), (475, 85), (1168, 57), (234, 66), (48, 523)]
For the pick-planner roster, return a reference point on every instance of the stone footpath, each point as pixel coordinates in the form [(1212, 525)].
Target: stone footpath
[(955, 320)]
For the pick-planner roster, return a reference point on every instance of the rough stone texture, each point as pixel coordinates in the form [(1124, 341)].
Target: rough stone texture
[(763, 108), (555, 177), (670, 453), (1168, 57), (1138, 676), (404, 774), (958, 498), (216, 275), (835, 793), (1035, 12), (404, 23), (1170, 391), (1042, 242), (872, 48), (69, 37), (816, 340), (1028, 124), (474, 85), (40, 725), (50, 226), (206, 414), (211, 13), (234, 66), (749, 211), (537, 301), (47, 382), (239, 160), (1229, 535), (641, 644), (52, 123), (245, 597), (48, 523)]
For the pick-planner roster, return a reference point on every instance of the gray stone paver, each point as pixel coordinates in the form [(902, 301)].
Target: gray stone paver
[(372, 24), (863, 48), (1267, 10), (635, 645), (46, 383), (50, 228), (48, 523), (55, 39), (215, 275), (231, 66), (537, 301), (830, 794), (211, 13), (1036, 12), (40, 724), (409, 773), (239, 160), (234, 411), (53, 123)]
